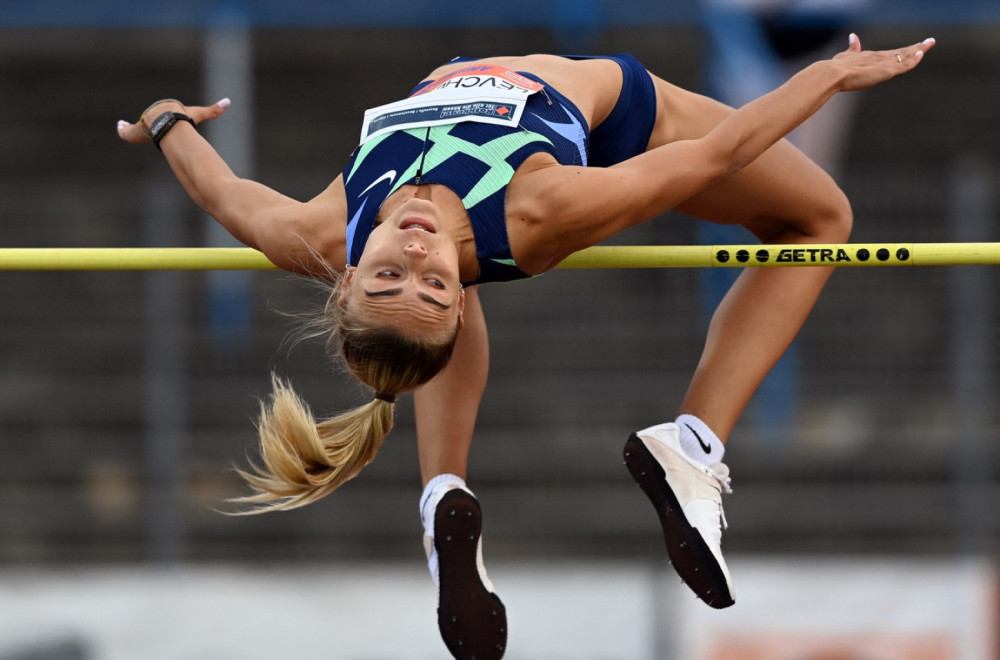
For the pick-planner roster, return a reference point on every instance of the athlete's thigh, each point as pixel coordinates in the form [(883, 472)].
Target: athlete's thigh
[(781, 190)]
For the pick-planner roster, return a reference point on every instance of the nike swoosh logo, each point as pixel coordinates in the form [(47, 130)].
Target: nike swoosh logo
[(572, 131), (705, 448), (390, 175), (352, 229)]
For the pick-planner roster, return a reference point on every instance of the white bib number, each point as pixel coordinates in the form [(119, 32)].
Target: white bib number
[(483, 93)]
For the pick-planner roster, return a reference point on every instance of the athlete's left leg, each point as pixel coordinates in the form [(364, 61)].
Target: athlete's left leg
[(447, 406)]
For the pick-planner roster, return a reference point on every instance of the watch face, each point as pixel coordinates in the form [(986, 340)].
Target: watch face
[(163, 119)]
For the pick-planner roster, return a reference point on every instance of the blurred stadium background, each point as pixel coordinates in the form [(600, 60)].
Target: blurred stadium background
[(864, 521)]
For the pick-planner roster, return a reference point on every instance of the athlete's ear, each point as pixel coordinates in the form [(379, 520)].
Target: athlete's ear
[(345, 285), (461, 309)]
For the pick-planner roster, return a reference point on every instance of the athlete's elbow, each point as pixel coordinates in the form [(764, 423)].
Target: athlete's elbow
[(731, 162), (722, 159)]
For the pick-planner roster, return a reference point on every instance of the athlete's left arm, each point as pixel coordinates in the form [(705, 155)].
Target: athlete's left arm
[(555, 210)]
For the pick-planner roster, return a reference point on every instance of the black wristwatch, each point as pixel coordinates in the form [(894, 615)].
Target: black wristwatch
[(164, 123)]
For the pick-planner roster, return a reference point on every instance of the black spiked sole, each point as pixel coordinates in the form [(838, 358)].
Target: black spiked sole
[(688, 552), (472, 620)]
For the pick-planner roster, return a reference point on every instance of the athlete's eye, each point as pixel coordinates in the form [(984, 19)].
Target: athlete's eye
[(386, 274), (437, 283)]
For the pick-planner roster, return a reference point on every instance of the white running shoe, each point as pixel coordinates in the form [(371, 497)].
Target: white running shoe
[(471, 618), (688, 499)]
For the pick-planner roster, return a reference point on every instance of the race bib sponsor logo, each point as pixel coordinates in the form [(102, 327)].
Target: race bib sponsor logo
[(488, 94), (485, 77)]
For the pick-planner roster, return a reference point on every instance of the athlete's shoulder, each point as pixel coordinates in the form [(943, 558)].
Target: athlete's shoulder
[(321, 227)]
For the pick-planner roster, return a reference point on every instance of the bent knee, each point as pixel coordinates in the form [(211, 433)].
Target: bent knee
[(826, 218), (836, 219)]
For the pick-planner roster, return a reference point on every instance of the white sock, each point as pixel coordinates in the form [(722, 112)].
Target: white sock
[(699, 442), (429, 500)]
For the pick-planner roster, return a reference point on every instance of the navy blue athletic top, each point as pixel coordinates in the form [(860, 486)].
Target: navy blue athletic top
[(477, 161), (474, 160)]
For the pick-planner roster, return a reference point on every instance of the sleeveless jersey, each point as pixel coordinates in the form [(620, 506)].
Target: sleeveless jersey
[(474, 160)]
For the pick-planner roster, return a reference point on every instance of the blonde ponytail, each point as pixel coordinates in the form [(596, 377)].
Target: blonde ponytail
[(304, 461)]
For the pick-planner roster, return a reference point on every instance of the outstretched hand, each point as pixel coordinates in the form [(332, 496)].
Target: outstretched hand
[(867, 68), (138, 132)]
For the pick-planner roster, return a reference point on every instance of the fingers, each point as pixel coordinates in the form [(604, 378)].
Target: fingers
[(200, 113), (131, 133), (863, 69), (923, 47), (916, 50), (910, 56), (134, 133)]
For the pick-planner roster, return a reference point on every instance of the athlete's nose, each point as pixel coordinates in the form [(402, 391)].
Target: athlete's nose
[(414, 250)]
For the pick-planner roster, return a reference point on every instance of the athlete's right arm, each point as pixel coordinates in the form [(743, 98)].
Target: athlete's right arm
[(289, 232)]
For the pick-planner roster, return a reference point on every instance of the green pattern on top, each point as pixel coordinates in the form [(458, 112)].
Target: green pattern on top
[(495, 153), (363, 152), (444, 146)]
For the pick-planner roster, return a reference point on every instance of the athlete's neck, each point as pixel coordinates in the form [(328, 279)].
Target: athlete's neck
[(453, 215)]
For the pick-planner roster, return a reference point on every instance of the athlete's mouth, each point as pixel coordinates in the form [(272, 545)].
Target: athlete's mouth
[(417, 224)]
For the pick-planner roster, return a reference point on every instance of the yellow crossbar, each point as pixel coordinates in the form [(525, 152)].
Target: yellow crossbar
[(633, 256)]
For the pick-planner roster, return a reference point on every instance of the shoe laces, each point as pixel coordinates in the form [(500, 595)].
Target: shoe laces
[(720, 472)]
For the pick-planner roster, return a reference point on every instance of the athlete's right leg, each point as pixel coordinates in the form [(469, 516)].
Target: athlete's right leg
[(471, 618), (782, 197)]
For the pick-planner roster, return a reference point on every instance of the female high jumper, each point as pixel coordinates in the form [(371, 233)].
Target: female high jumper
[(497, 169)]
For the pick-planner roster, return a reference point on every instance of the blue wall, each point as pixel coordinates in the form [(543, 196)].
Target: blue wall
[(554, 13)]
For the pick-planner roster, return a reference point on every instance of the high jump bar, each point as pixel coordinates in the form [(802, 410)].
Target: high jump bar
[(630, 256)]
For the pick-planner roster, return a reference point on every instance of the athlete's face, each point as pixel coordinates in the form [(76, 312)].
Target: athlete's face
[(408, 273)]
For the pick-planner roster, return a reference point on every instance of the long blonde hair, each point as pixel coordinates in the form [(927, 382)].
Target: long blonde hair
[(305, 460)]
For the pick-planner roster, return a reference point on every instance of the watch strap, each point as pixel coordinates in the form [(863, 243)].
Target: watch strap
[(164, 123)]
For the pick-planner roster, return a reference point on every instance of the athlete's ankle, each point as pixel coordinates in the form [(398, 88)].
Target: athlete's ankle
[(433, 492), (698, 441)]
